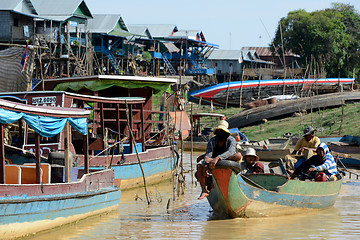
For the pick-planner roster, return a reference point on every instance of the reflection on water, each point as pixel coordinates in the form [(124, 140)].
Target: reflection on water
[(190, 218)]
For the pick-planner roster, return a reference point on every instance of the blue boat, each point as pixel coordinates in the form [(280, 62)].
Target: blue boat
[(265, 195), (40, 196)]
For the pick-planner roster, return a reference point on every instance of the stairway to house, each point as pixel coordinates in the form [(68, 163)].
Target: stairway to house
[(113, 61), (168, 65), (80, 68)]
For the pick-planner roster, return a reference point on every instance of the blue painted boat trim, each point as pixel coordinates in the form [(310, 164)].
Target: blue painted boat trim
[(132, 171), (291, 200), (55, 206)]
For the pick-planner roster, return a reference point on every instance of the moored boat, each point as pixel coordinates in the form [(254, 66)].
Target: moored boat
[(39, 196), (118, 104), (271, 149), (263, 195), (264, 88), (347, 148)]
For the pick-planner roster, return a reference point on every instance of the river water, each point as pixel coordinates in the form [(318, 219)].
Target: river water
[(189, 218)]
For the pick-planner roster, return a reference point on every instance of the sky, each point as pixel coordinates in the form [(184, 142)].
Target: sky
[(231, 24)]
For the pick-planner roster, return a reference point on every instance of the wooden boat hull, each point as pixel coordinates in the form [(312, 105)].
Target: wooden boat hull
[(276, 148), (268, 87), (234, 197), (157, 164), (347, 147), (269, 154), (30, 208), (197, 146)]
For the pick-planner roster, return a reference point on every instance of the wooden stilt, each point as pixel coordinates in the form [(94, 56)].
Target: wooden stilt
[(86, 153), (37, 158), (142, 127), (2, 155), (67, 155)]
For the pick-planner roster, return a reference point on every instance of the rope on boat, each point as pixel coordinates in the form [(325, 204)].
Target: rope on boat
[(121, 141)]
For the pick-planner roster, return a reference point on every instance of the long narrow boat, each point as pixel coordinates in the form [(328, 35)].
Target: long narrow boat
[(218, 93), (111, 99), (40, 196), (271, 149), (263, 195)]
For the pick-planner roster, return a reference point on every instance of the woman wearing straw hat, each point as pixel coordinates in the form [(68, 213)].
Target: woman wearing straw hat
[(221, 146)]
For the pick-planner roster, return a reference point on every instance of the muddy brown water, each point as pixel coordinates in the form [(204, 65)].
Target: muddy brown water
[(189, 218)]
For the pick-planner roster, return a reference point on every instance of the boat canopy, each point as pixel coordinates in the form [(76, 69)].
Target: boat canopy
[(96, 85), (46, 121), (101, 82)]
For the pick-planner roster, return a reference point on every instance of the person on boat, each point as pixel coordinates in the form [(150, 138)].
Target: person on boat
[(303, 150), (322, 162), (250, 159), (220, 147), (258, 168)]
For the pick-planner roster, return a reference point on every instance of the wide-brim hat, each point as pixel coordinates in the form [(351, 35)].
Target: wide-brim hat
[(251, 152), (308, 130), (224, 122), (223, 128)]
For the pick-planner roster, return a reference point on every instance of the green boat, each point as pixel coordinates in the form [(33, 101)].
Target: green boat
[(269, 194)]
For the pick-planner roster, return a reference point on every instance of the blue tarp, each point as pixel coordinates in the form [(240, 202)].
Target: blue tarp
[(45, 126)]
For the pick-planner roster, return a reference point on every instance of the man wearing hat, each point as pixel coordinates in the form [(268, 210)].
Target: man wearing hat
[(220, 147), (304, 149)]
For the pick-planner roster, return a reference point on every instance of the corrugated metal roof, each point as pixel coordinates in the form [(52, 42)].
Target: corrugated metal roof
[(59, 8), (160, 30), (19, 6), (266, 51), (237, 55), (191, 34), (225, 55), (103, 23), (252, 55), (57, 18), (140, 31), (119, 33), (9, 5)]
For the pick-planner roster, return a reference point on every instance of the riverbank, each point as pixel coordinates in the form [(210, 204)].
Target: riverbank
[(335, 121)]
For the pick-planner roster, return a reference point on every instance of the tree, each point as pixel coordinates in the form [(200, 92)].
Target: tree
[(326, 39)]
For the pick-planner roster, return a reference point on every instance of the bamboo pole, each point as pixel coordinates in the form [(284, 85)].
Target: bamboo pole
[(342, 118), (38, 159), (192, 143), (199, 105), (67, 152), (137, 153), (241, 88), (2, 155), (228, 89)]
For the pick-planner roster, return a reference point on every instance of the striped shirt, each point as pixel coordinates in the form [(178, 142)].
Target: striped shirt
[(329, 163)]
